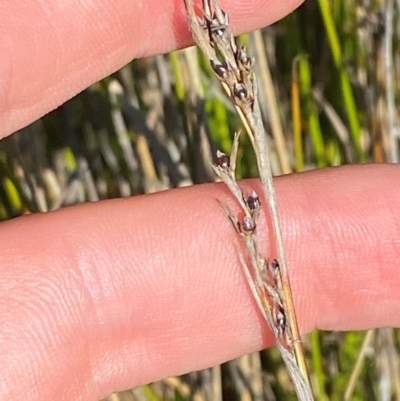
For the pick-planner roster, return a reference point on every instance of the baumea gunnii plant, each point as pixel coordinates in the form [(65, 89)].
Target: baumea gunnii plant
[(268, 277)]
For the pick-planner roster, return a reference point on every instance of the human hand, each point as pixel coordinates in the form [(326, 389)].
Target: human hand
[(105, 296)]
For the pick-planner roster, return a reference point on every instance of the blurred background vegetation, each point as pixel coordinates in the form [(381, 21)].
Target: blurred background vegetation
[(329, 90)]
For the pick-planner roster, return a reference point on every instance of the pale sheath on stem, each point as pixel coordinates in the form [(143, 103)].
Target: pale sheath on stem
[(267, 278)]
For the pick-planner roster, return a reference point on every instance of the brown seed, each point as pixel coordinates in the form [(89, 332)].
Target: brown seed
[(223, 160), (247, 226), (253, 201)]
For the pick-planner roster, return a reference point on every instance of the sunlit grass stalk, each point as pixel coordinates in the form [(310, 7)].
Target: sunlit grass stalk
[(318, 371), (266, 82), (393, 127), (296, 118), (367, 343), (177, 73), (311, 112), (345, 84), (268, 279)]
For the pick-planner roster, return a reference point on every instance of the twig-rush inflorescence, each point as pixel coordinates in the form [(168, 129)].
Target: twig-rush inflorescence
[(268, 279)]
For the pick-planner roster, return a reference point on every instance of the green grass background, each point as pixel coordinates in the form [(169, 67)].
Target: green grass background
[(157, 123)]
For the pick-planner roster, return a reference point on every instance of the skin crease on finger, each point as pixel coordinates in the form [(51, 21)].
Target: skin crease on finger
[(51, 50), (105, 296)]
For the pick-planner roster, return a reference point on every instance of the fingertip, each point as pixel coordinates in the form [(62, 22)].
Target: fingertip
[(158, 283), (56, 49)]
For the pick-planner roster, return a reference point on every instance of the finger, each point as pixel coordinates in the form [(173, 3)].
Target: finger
[(52, 50), (109, 295)]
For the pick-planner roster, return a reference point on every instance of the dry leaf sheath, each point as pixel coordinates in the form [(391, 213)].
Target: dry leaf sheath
[(268, 278)]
